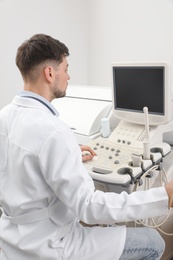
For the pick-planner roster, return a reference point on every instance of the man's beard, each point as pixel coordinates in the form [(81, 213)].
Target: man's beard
[(59, 94)]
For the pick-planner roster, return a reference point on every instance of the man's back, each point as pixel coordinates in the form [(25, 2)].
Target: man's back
[(26, 180)]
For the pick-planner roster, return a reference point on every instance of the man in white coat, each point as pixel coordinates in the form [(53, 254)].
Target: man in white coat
[(45, 190)]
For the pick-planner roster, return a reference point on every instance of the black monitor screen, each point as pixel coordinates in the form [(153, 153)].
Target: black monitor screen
[(138, 87)]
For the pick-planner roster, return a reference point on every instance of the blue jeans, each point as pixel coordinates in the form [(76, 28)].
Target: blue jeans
[(143, 244)]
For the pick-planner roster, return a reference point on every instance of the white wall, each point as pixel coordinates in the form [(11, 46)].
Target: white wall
[(65, 20), (97, 32), (123, 30)]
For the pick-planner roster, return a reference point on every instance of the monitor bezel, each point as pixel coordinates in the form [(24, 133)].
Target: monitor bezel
[(138, 117)]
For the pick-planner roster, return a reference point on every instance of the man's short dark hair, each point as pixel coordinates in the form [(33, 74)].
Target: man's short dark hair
[(39, 49)]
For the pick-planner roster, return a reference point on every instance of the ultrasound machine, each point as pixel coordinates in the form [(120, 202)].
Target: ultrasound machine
[(142, 101)]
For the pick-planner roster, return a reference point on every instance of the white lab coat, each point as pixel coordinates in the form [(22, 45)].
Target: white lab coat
[(45, 190)]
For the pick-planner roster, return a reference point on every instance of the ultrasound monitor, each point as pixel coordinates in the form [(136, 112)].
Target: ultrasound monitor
[(136, 86)]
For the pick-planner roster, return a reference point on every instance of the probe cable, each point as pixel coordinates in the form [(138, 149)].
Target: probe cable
[(155, 225)]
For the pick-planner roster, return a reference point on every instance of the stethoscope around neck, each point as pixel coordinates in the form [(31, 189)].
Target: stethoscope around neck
[(42, 102)]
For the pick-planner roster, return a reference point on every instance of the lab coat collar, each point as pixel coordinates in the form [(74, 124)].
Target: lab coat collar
[(42, 100)]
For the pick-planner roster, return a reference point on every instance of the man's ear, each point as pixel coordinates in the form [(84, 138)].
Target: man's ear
[(48, 71)]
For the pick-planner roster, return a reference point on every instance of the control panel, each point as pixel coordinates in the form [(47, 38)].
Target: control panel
[(119, 157)]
